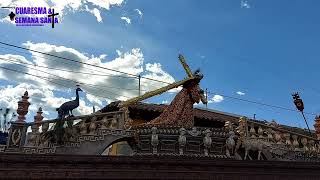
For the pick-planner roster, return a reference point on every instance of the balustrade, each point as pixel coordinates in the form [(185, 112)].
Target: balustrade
[(42, 133), (279, 140)]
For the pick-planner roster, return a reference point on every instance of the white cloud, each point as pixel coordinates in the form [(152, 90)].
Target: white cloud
[(128, 20), (156, 72), (39, 97), (94, 100), (241, 93), (66, 6), (98, 90), (95, 12), (165, 102), (84, 108), (139, 12), (245, 4), (216, 99), (105, 3)]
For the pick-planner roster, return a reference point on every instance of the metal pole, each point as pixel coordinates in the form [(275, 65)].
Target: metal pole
[(139, 85), (1, 120), (305, 120), (207, 98), (247, 128)]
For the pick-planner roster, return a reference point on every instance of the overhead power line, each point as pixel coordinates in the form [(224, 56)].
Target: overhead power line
[(76, 61), (136, 76), (33, 67), (260, 103), (48, 79), (68, 59), (95, 74)]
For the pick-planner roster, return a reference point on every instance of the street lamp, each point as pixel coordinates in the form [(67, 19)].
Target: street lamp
[(299, 105)]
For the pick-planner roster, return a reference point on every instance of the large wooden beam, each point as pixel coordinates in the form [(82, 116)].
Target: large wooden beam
[(154, 93), (185, 66), (163, 89)]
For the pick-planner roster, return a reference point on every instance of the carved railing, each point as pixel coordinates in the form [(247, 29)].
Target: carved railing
[(42, 132), (292, 140), (279, 142), (176, 141)]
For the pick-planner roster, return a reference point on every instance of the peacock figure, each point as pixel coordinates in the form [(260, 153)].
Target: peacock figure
[(67, 107)]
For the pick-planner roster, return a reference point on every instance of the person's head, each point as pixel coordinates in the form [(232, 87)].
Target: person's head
[(198, 75)]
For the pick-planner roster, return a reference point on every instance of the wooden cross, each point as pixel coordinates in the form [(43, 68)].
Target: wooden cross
[(185, 66), (163, 89)]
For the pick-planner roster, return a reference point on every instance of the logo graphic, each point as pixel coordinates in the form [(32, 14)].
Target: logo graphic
[(52, 17), (33, 16), (12, 15)]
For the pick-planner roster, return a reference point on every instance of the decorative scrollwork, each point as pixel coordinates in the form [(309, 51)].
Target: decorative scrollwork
[(194, 132), (16, 136)]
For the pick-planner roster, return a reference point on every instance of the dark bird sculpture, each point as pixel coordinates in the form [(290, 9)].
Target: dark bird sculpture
[(67, 107)]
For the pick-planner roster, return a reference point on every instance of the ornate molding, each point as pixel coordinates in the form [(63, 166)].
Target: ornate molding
[(39, 150), (2, 148)]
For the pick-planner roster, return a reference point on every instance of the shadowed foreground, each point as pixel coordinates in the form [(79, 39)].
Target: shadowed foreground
[(149, 167)]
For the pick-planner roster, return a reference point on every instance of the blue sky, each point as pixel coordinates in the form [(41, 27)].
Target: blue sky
[(265, 49)]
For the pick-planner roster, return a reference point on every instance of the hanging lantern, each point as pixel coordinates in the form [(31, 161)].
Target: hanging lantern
[(298, 102), (299, 105)]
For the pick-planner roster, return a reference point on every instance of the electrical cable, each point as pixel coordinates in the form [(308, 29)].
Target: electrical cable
[(47, 79), (259, 103), (18, 63), (68, 59), (104, 73), (235, 98)]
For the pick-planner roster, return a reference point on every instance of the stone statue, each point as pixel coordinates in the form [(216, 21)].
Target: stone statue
[(93, 126), (113, 123), (182, 140), (207, 142), (256, 145), (230, 144), (242, 132), (154, 140), (83, 127), (104, 122)]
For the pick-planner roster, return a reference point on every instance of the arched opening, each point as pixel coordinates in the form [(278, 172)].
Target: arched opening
[(120, 147)]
